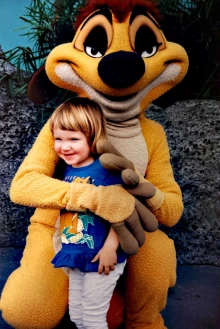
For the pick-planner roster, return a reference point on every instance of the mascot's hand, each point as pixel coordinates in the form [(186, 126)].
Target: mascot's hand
[(131, 232)]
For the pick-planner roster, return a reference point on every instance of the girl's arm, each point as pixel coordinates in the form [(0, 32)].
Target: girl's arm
[(34, 186), (107, 256)]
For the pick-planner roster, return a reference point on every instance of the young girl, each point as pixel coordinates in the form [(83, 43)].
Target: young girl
[(90, 247)]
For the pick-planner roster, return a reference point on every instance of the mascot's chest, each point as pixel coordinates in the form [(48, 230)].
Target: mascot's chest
[(123, 127), (129, 141)]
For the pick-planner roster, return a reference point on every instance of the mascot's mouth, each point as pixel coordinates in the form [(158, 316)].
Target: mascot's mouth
[(117, 98), (66, 73), (109, 97)]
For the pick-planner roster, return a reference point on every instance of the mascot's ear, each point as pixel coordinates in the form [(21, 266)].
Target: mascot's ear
[(40, 89)]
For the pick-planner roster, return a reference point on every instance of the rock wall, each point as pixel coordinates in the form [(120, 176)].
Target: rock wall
[(19, 127), (193, 133), (192, 129)]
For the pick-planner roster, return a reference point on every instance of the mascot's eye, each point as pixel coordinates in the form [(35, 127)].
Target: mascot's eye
[(93, 52), (96, 42), (145, 42), (149, 52)]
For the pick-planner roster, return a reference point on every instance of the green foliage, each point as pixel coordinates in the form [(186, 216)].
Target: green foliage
[(195, 25), (47, 24), (6, 79)]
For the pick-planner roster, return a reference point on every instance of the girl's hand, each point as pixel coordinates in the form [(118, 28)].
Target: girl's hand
[(107, 257)]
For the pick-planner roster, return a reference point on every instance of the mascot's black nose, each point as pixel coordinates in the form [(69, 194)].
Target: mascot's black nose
[(121, 69)]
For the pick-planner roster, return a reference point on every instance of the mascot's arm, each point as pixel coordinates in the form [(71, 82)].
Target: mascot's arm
[(167, 203), (34, 186)]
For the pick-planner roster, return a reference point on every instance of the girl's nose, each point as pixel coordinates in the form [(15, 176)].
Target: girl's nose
[(65, 146)]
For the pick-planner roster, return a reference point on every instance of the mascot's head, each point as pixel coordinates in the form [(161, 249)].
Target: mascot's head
[(118, 53)]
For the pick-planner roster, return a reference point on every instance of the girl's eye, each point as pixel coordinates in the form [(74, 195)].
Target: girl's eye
[(74, 139), (57, 139)]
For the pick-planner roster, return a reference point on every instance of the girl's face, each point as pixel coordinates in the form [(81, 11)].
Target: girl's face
[(72, 147)]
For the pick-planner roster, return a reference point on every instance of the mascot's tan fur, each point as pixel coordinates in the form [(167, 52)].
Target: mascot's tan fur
[(120, 58)]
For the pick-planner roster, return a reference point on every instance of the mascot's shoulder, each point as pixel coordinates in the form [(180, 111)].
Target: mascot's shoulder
[(151, 127), (154, 135)]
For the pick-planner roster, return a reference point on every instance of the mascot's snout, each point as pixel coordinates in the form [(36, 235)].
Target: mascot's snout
[(121, 69)]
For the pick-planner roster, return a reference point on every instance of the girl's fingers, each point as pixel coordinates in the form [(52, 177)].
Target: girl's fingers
[(107, 270), (100, 269), (112, 267), (95, 258)]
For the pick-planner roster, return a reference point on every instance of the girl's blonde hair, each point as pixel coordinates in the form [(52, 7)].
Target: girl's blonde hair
[(82, 114)]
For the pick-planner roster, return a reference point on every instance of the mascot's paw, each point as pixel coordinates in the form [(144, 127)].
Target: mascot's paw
[(131, 232), (127, 241), (114, 162), (130, 177), (144, 190)]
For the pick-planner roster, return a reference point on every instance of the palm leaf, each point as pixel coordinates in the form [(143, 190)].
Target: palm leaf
[(87, 218), (87, 239)]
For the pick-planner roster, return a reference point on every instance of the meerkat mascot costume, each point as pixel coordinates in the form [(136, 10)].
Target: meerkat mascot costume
[(120, 58)]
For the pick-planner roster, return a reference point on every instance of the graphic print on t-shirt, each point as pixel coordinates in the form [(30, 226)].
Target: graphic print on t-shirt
[(82, 180), (74, 225)]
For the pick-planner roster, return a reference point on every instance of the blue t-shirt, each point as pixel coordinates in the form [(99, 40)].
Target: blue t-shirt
[(84, 234)]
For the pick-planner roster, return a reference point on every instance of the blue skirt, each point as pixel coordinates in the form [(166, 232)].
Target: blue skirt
[(76, 256), (80, 261)]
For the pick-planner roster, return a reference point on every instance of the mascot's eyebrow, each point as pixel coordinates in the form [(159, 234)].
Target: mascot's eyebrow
[(142, 11), (105, 12)]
